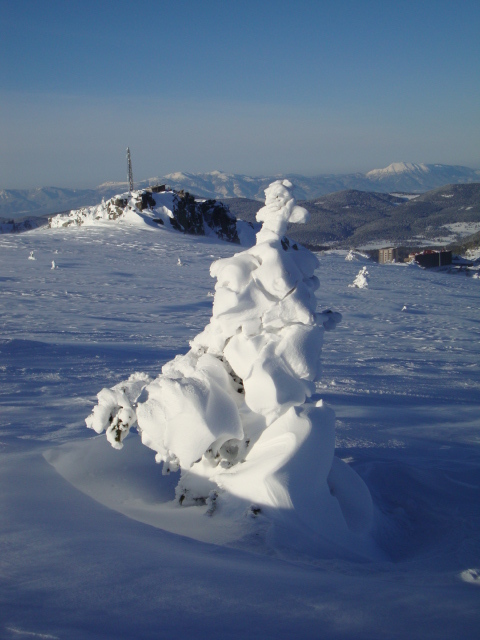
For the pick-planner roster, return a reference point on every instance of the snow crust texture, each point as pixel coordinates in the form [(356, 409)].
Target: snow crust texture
[(235, 414)]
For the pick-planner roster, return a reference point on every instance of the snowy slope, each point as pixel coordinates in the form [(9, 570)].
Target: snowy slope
[(405, 385)]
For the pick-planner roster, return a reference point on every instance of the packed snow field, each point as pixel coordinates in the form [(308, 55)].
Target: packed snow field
[(95, 304)]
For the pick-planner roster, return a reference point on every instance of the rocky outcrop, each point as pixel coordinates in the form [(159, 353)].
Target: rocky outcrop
[(179, 210), (201, 217)]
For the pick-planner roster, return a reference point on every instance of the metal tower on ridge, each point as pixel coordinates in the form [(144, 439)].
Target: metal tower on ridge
[(130, 172)]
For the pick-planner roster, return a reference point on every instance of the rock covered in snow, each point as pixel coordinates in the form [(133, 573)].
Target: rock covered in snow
[(179, 211), (235, 414), (203, 217)]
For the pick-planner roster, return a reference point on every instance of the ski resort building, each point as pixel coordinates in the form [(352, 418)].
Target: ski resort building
[(386, 255), (431, 258)]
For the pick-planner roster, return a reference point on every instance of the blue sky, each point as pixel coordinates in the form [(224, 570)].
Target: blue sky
[(248, 87)]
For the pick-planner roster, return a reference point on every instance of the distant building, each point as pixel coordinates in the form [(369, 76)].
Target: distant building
[(386, 255), (157, 188), (431, 258)]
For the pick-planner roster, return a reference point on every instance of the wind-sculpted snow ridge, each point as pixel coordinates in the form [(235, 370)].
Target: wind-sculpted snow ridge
[(236, 415), (167, 209)]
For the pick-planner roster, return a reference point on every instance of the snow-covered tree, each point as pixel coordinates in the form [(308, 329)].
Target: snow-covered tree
[(236, 415), (350, 257), (361, 279)]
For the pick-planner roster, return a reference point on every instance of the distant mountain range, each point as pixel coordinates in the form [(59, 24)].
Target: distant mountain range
[(354, 218), (398, 177), (343, 219)]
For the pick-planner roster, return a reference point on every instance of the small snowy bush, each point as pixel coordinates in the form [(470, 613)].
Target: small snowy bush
[(361, 280), (350, 257), (235, 414)]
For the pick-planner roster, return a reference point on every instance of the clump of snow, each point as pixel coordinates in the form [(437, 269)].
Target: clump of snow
[(54, 266), (235, 414), (31, 256), (361, 280), (114, 412)]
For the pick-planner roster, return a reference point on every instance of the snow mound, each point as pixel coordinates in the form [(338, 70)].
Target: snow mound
[(236, 416)]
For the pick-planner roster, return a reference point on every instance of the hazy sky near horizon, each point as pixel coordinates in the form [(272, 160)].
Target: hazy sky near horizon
[(260, 87)]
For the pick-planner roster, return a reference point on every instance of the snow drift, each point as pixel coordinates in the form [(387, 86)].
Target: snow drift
[(236, 416)]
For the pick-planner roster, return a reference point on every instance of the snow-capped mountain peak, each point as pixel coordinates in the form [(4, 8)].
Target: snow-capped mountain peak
[(405, 177), (398, 168), (178, 175)]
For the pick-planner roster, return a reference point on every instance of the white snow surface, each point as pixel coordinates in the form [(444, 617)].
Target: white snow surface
[(106, 561), (407, 196)]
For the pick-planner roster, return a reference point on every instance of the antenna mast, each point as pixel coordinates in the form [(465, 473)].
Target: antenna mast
[(130, 172)]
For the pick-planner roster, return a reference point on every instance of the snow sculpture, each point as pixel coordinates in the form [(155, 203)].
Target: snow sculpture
[(361, 280), (235, 414)]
